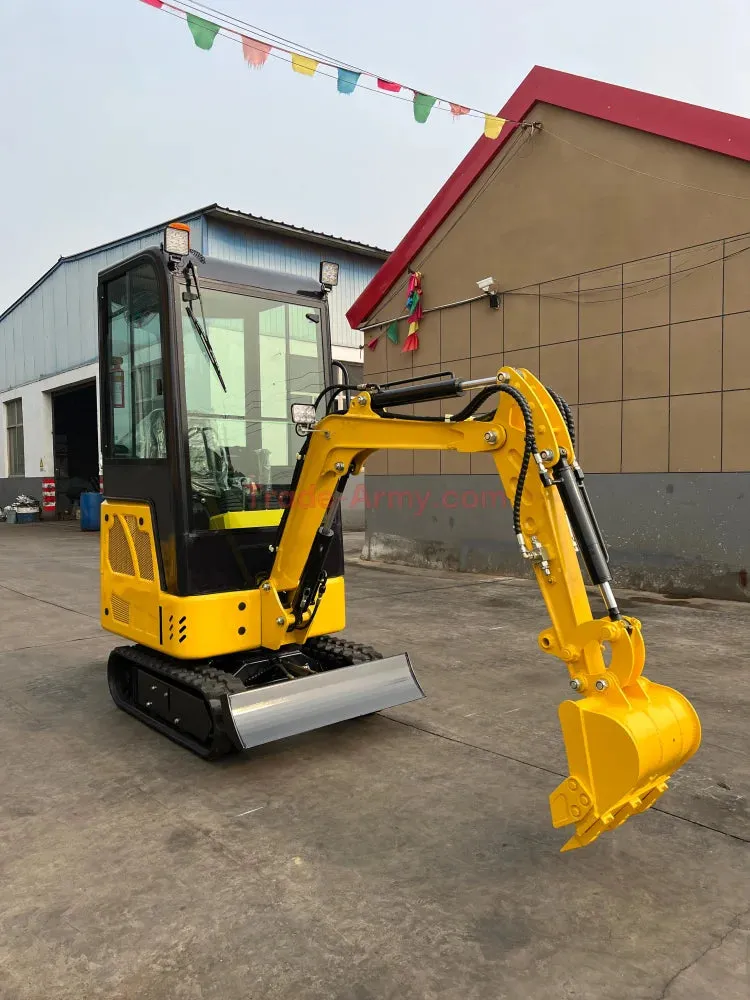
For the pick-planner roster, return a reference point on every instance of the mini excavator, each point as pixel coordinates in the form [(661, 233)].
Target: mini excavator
[(227, 445)]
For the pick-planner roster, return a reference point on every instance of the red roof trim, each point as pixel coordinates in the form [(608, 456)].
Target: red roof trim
[(695, 126)]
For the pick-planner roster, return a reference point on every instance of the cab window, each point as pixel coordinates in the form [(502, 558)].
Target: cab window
[(135, 383)]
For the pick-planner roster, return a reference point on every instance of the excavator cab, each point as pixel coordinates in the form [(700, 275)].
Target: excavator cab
[(201, 361), (225, 459)]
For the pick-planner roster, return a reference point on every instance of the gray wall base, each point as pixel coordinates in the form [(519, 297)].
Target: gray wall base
[(14, 486), (678, 534), (352, 505)]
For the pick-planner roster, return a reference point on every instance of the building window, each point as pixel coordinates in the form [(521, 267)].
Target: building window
[(14, 425)]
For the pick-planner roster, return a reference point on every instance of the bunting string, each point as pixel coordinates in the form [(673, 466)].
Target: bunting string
[(308, 62)]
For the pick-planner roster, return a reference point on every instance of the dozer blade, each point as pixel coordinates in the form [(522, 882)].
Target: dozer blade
[(622, 746), (297, 706)]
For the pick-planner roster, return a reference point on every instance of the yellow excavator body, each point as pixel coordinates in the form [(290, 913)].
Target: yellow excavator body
[(232, 606)]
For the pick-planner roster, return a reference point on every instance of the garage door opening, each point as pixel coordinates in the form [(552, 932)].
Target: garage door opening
[(76, 443)]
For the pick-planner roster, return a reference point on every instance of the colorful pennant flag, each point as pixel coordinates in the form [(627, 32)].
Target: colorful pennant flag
[(423, 105), (347, 80), (303, 64), (203, 32), (255, 52), (493, 126), (372, 344), (392, 332), (414, 311)]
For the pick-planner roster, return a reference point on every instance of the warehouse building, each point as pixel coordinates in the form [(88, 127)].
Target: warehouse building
[(615, 226), (48, 340)]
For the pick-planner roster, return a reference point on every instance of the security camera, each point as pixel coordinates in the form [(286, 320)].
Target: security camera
[(486, 285), (489, 287)]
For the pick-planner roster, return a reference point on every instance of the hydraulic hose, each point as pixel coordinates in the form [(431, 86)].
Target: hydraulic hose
[(566, 412)]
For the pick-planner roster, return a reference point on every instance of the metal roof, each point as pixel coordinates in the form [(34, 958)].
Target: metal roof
[(258, 222), (214, 211)]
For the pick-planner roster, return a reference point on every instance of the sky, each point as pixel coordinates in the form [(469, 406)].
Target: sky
[(113, 121)]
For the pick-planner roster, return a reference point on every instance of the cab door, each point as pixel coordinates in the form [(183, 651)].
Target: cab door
[(137, 417)]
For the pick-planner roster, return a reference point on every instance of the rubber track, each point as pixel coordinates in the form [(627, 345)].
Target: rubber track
[(332, 653), (206, 682)]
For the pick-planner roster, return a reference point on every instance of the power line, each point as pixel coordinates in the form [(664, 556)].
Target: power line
[(575, 295)]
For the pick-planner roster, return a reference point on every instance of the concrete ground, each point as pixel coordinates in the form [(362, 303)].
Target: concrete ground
[(407, 855)]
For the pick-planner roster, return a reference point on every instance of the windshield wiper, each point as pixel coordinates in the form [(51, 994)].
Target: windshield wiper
[(188, 297)]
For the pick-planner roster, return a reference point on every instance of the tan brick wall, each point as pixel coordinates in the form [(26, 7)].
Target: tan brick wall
[(653, 353), (672, 396)]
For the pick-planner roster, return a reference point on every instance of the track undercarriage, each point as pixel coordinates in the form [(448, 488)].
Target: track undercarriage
[(194, 703)]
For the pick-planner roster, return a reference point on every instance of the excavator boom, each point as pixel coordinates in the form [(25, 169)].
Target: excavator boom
[(625, 735)]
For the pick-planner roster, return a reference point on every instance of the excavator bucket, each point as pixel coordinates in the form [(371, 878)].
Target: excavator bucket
[(287, 708), (622, 743)]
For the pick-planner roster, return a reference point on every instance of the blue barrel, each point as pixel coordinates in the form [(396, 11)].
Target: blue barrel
[(91, 511)]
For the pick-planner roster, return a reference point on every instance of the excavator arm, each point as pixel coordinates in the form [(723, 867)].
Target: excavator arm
[(625, 735)]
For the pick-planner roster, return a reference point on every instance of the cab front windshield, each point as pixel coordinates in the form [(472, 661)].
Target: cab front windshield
[(242, 441)]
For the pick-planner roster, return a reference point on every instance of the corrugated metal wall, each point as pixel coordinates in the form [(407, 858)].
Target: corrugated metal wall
[(294, 256), (54, 328)]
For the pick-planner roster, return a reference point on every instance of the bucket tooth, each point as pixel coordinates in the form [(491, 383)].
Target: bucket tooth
[(275, 711)]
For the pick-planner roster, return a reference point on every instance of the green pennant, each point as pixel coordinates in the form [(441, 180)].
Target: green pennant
[(203, 32), (423, 104), (392, 332)]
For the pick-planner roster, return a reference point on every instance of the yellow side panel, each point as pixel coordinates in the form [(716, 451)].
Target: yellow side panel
[(134, 606), (211, 624), (247, 519), (129, 576)]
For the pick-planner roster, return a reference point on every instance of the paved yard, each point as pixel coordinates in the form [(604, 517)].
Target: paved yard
[(408, 855)]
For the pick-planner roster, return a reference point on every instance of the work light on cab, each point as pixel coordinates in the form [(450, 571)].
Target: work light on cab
[(329, 274), (177, 239)]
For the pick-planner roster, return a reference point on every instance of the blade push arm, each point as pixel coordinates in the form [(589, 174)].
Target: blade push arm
[(627, 735)]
